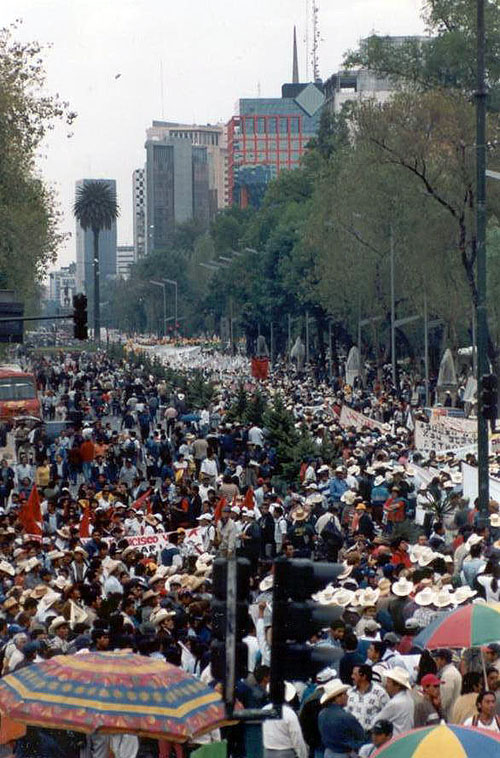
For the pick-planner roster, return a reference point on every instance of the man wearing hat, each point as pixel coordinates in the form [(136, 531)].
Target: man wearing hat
[(428, 710), (341, 733), (227, 533), (400, 708), (381, 733), (311, 708)]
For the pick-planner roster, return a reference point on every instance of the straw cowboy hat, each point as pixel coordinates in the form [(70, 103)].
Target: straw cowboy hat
[(343, 597), (495, 520), (7, 568), (379, 480), (400, 675), (204, 562), (325, 596), (402, 588), (368, 597), (161, 615), (425, 596), (346, 572), (56, 623), (299, 514), (332, 689)]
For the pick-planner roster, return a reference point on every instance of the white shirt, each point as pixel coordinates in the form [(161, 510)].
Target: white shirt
[(399, 711), (491, 727), (284, 733), (209, 467)]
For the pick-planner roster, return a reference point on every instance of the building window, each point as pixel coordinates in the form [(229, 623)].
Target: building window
[(249, 126), (271, 126), (261, 126), (294, 125), (284, 125)]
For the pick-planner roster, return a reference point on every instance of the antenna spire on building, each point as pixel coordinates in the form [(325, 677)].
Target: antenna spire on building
[(295, 74)]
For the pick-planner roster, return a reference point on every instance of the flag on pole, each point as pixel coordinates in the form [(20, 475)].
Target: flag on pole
[(142, 501), (248, 500), (218, 508), (30, 514)]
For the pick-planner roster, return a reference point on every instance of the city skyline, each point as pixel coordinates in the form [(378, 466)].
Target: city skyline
[(109, 55)]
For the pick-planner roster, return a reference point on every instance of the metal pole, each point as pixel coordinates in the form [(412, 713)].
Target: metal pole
[(359, 340), (330, 348), (231, 588), (426, 350), (176, 306), (307, 337), (289, 335), (272, 344), (164, 310), (393, 314), (474, 346), (481, 308)]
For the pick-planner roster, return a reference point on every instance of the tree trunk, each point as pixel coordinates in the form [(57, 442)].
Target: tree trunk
[(97, 293)]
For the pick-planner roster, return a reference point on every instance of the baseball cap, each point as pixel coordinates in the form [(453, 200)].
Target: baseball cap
[(430, 680)]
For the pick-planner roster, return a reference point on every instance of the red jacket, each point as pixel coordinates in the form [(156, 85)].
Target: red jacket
[(87, 451)]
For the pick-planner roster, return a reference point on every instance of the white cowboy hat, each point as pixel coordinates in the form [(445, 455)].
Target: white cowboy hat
[(495, 520), (400, 675), (332, 689), (443, 598), (325, 596), (402, 587), (425, 596), (7, 568), (325, 675), (204, 561), (426, 557), (346, 572), (348, 497), (290, 692), (266, 583), (353, 470), (161, 615), (462, 594), (343, 597), (379, 480), (474, 539)]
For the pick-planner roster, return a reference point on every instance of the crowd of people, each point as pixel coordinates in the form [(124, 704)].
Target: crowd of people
[(132, 459)]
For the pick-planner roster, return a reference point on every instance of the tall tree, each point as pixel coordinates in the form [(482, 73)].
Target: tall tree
[(96, 208)]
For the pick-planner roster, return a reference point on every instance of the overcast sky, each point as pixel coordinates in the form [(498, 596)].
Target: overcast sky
[(212, 52)]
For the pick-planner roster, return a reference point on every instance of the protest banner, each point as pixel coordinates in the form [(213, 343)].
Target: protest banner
[(153, 544), (350, 417), (470, 484), (443, 437)]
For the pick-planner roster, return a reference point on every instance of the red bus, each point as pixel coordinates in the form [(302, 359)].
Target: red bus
[(18, 393)]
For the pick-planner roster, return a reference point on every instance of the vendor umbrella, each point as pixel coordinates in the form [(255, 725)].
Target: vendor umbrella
[(445, 740), (470, 625), (112, 693)]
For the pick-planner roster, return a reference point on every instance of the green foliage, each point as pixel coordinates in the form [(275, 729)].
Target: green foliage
[(256, 408), (29, 217), (199, 391), (238, 409), (95, 206)]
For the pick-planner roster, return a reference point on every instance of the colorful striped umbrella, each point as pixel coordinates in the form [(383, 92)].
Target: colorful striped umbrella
[(470, 625), (448, 741), (112, 693)]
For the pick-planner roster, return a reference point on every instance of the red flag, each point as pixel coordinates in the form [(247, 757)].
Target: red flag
[(142, 500), (218, 508), (85, 523), (30, 514), (248, 501), (260, 368)]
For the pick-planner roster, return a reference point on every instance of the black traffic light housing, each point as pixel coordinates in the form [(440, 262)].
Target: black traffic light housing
[(489, 398), (224, 607), (296, 618), (80, 330)]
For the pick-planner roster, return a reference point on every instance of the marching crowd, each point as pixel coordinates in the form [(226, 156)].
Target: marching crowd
[(138, 493)]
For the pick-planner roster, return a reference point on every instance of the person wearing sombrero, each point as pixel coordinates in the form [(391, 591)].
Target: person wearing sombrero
[(341, 733), (401, 708), (301, 533)]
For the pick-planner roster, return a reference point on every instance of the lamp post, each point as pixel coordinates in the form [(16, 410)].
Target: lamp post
[(481, 308), (173, 282), (161, 284)]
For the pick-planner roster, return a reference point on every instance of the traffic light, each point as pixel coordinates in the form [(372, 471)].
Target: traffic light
[(489, 397), (296, 618), (80, 331), (230, 601)]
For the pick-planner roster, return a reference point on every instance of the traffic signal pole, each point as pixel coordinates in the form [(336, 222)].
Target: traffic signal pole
[(481, 308)]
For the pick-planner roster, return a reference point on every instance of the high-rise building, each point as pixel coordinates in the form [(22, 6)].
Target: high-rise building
[(269, 135), (139, 206), (125, 257), (362, 84), (177, 185), (85, 249), (62, 286)]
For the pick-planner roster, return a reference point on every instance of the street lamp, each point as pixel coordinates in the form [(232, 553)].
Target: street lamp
[(173, 282), (161, 284)]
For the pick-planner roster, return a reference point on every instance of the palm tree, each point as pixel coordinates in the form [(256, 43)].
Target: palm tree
[(96, 208)]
